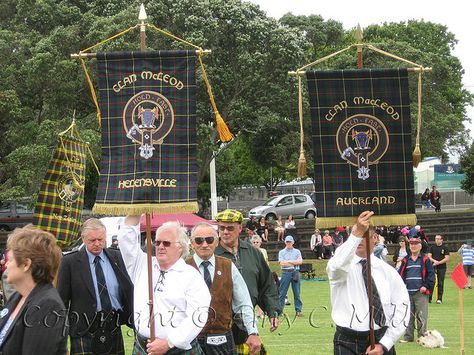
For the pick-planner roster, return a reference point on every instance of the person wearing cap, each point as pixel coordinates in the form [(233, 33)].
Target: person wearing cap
[(290, 260), (255, 271), (347, 272), (439, 256), (467, 254), (229, 294), (418, 274)]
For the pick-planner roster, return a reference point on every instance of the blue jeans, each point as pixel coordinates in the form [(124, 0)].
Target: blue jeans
[(427, 203), (294, 279)]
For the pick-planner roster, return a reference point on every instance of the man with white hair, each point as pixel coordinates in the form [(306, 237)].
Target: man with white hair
[(180, 296)]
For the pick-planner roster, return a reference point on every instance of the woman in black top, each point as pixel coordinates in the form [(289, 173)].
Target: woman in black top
[(34, 319)]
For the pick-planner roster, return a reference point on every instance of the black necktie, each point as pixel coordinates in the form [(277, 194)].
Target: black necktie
[(379, 316), (102, 286), (207, 274)]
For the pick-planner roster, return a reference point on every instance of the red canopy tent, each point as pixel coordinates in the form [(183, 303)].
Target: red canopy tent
[(188, 220)]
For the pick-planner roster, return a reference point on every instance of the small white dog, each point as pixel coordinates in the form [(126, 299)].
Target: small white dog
[(432, 339)]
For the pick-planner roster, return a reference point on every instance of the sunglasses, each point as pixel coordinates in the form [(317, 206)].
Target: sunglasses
[(166, 243), (229, 228), (200, 240)]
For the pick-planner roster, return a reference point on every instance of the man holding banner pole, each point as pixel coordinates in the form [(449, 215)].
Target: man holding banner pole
[(391, 303), (181, 298)]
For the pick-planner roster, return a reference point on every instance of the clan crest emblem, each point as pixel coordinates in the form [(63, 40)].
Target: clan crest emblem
[(362, 140), (148, 118), (69, 189)]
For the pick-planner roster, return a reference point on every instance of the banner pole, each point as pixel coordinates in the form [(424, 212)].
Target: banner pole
[(358, 36), (142, 17), (360, 64), (369, 290)]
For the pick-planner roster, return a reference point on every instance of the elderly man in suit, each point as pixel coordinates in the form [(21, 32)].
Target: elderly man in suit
[(95, 288)]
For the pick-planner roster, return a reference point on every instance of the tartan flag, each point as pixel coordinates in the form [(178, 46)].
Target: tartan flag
[(60, 202), (148, 106), (362, 145)]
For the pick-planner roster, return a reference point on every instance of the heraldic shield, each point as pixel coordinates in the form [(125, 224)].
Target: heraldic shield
[(148, 106), (362, 145)]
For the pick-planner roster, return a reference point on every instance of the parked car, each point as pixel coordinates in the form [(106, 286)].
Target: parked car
[(15, 214), (298, 205)]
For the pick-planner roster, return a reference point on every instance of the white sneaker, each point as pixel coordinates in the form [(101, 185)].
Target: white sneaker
[(439, 302)]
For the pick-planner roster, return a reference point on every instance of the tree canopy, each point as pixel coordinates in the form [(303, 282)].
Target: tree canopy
[(251, 56)]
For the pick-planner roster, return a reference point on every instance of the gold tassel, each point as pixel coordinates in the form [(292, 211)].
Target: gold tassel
[(416, 156), (224, 133), (302, 164), (302, 159), (417, 150)]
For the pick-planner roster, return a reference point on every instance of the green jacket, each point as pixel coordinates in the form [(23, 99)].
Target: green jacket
[(257, 276)]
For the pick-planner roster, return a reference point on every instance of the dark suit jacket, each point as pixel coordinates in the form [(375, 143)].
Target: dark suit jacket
[(39, 327), (76, 289)]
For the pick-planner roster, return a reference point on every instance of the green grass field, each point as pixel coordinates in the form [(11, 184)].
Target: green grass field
[(313, 333)]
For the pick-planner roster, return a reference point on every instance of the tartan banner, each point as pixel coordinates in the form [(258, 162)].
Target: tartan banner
[(148, 106), (60, 202), (362, 146)]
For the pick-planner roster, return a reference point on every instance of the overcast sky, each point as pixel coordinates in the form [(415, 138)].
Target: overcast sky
[(456, 15)]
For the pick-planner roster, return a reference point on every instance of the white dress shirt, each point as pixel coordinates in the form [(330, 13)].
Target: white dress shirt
[(350, 305), (241, 302), (181, 298)]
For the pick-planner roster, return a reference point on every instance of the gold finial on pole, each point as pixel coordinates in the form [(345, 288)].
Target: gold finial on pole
[(142, 17), (358, 35)]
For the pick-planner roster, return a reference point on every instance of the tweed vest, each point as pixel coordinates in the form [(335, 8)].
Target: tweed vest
[(220, 313)]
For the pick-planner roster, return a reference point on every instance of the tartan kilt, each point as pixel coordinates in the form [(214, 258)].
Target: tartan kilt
[(195, 350), (83, 345), (243, 349)]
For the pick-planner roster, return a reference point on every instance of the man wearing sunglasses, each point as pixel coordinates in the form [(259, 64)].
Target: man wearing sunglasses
[(229, 295), (180, 296), (254, 269)]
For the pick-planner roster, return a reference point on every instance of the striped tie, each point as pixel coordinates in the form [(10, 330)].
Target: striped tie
[(207, 274), (379, 316), (102, 286)]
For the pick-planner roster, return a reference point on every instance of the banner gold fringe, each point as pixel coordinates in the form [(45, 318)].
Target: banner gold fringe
[(138, 209), (388, 220)]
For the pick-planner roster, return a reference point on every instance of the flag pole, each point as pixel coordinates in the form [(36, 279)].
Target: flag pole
[(142, 17), (461, 320)]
